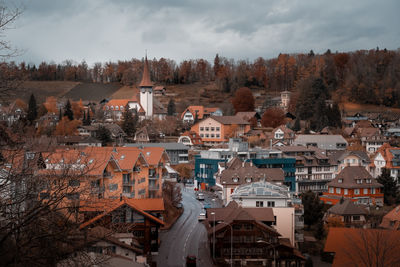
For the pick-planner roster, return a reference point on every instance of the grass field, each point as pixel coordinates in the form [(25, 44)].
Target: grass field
[(44, 89), (92, 91), (350, 108)]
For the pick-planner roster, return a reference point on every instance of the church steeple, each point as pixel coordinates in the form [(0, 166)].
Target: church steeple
[(146, 82)]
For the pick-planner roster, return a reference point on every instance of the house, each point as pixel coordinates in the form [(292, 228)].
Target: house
[(218, 129), (125, 217), (159, 90), (77, 141), (285, 100), (147, 134), (283, 134), (191, 112), (251, 116), (354, 183), (374, 142), (245, 236), (117, 134), (238, 173), (177, 153), (389, 158), (322, 141), (348, 213), (190, 138), (391, 220), (115, 108), (277, 197), (11, 113), (343, 158), (314, 169), (363, 247)]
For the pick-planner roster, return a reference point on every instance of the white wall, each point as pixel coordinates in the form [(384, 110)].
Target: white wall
[(285, 222)]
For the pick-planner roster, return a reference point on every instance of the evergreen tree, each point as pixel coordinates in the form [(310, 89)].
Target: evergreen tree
[(60, 115), (320, 231), (334, 116), (313, 208), (196, 118), (32, 109), (171, 107), (389, 186), (68, 111), (104, 135), (88, 118), (129, 122), (296, 126)]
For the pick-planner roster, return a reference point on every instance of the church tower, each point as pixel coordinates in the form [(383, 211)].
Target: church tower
[(146, 91)]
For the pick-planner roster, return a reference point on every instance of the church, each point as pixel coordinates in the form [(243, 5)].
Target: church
[(146, 105)]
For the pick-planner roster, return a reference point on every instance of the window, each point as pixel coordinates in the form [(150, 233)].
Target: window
[(365, 191), (126, 189), (126, 178), (74, 182), (248, 180), (201, 135), (318, 169), (207, 135), (235, 180), (346, 191), (356, 217), (373, 191), (212, 135), (259, 203), (113, 187), (271, 203), (212, 128), (300, 169), (116, 108), (331, 190), (359, 181), (338, 190), (73, 196), (217, 135), (217, 128), (368, 181), (327, 169), (201, 128), (340, 181), (121, 107), (356, 191), (207, 129)]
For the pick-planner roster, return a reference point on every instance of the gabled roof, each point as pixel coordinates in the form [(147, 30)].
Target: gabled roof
[(350, 174), (201, 111), (102, 205), (146, 81), (347, 207), (392, 219), (120, 102), (111, 208), (228, 120)]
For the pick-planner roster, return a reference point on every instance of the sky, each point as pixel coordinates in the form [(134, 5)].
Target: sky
[(111, 30)]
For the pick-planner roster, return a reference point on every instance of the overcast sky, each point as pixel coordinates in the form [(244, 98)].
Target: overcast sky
[(103, 30)]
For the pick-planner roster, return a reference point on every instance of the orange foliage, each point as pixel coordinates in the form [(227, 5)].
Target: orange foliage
[(273, 117), (334, 222), (67, 127), (77, 109), (243, 100), (51, 104), (21, 104), (231, 131)]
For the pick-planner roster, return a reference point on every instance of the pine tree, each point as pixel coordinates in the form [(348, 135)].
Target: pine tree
[(389, 186), (84, 121), (104, 135), (32, 109), (171, 107), (68, 111), (88, 119), (296, 126), (129, 122)]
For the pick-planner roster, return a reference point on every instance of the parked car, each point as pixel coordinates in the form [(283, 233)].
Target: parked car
[(200, 196), (202, 215), (206, 206)]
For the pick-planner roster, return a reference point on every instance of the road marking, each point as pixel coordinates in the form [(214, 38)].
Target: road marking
[(187, 239)]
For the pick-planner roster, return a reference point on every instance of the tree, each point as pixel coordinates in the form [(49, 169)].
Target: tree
[(390, 190), (67, 127), (184, 170), (243, 100), (273, 117), (68, 111), (296, 126), (104, 135), (171, 108), (51, 104), (313, 208), (32, 109), (129, 122)]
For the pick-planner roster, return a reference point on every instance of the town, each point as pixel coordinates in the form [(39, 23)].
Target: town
[(247, 189)]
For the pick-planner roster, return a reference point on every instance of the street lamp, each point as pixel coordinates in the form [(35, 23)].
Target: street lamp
[(273, 247), (231, 239)]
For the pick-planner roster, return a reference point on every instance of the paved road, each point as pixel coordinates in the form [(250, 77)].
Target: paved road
[(187, 236)]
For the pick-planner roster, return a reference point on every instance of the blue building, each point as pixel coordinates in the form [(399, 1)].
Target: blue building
[(286, 164), (205, 168)]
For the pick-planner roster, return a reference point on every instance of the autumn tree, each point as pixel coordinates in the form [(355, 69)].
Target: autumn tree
[(32, 109), (273, 117), (68, 111), (51, 104), (171, 107), (243, 100), (67, 127), (184, 170), (77, 109)]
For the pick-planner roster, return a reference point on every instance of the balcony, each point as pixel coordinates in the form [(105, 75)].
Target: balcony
[(128, 182), (154, 187), (107, 175), (154, 176), (129, 195)]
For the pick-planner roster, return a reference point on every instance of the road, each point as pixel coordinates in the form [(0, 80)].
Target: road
[(187, 236)]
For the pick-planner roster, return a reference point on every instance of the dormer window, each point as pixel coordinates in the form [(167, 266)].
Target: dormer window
[(340, 181), (116, 107), (368, 181), (359, 181), (248, 180), (235, 179)]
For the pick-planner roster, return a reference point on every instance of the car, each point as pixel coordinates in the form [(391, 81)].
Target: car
[(200, 196), (202, 215), (206, 206), (179, 205)]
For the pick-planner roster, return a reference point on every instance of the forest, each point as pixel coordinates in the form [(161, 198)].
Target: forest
[(363, 76)]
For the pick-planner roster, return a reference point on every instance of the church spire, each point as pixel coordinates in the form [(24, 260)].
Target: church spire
[(146, 82)]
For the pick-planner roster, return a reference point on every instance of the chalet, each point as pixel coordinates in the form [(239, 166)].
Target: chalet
[(245, 236), (159, 90), (343, 158), (117, 134), (391, 221), (348, 213), (374, 142), (253, 117), (190, 138), (356, 184), (283, 134), (389, 158), (191, 112)]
